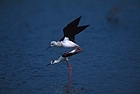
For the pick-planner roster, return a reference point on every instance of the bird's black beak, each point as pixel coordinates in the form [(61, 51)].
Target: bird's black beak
[(48, 64), (48, 47)]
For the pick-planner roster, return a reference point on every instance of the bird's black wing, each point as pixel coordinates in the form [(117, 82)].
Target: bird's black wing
[(79, 29), (72, 29), (74, 23)]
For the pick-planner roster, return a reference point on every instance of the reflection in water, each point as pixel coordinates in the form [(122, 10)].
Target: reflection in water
[(69, 89), (69, 85)]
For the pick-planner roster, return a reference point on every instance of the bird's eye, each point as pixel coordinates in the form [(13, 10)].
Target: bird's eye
[(52, 43)]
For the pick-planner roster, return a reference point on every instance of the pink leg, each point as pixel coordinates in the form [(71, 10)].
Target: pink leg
[(69, 66), (69, 79), (68, 54)]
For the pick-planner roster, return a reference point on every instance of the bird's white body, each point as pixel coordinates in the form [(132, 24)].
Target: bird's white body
[(65, 43), (60, 59)]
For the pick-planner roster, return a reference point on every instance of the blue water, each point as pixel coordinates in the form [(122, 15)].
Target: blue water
[(109, 63)]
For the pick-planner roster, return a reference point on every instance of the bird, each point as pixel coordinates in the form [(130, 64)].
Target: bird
[(68, 41)]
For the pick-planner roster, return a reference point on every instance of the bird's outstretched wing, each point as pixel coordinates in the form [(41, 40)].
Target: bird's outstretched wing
[(72, 29)]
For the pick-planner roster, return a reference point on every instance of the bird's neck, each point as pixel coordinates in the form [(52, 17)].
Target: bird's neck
[(59, 44)]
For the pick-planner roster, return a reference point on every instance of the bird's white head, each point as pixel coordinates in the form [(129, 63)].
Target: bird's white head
[(53, 43)]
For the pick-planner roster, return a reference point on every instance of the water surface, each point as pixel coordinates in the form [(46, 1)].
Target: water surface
[(109, 63)]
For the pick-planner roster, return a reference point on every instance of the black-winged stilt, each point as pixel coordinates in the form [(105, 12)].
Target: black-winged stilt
[(68, 41)]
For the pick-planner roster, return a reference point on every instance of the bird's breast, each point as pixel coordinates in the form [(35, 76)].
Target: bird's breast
[(59, 44), (68, 44)]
